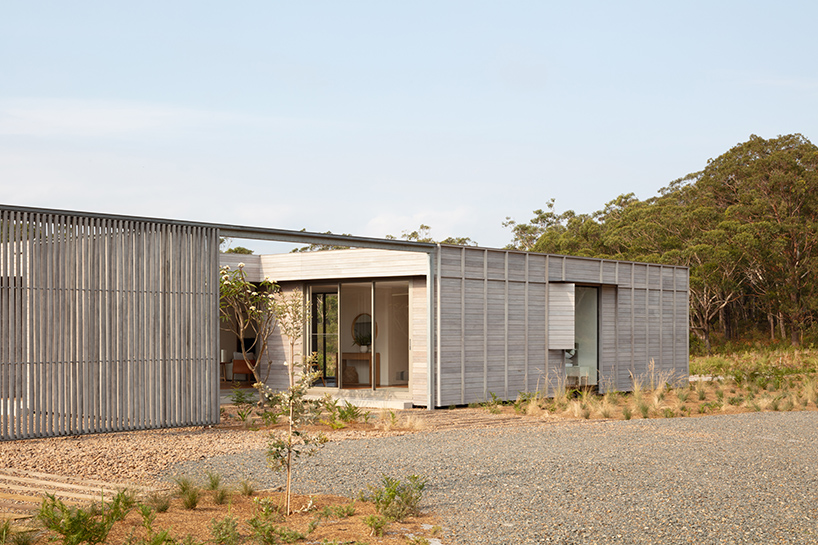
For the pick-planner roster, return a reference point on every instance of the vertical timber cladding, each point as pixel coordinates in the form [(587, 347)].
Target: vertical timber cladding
[(492, 324), (504, 317), (109, 324)]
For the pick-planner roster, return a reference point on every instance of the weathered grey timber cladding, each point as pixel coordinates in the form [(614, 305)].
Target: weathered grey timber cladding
[(507, 318), (108, 324)]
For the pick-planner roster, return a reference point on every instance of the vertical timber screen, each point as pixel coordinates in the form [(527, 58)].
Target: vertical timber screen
[(106, 324)]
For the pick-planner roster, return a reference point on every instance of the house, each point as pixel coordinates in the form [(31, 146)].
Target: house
[(111, 322), (501, 322)]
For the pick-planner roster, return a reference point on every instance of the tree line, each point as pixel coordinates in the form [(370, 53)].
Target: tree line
[(746, 225)]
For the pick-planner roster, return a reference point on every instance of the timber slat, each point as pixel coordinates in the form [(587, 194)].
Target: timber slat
[(74, 480), (61, 485), (46, 490), (21, 492)]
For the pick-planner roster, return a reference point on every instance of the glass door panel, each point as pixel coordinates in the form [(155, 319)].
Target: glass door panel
[(324, 336), (358, 336), (586, 334), (392, 312)]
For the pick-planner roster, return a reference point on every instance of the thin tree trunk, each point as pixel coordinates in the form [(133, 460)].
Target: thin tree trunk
[(795, 334), (781, 325), (289, 459), (771, 320), (706, 336)]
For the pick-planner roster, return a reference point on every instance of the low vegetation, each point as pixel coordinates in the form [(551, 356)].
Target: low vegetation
[(258, 517), (758, 381)]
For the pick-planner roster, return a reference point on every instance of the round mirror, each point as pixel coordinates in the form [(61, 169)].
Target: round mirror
[(362, 329)]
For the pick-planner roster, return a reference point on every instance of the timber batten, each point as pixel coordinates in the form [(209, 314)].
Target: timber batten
[(507, 320), (109, 324)]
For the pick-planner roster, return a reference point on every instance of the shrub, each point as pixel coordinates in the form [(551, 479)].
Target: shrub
[(225, 531), (397, 500), (77, 525)]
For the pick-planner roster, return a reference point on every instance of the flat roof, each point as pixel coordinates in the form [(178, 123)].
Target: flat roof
[(243, 231)]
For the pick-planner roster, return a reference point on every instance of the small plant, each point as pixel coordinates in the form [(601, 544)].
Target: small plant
[(682, 395), (16, 536), (190, 498), (225, 531), (243, 413), (183, 484), (349, 412), (269, 417), (333, 423), (701, 391), (344, 511), (376, 524), (389, 420), (494, 405), (586, 413), (736, 400), (221, 495), (418, 540), (158, 502), (435, 531), (247, 488), (627, 413), (397, 500), (5, 531), (213, 480), (153, 537), (703, 408), (524, 399), (644, 410), (668, 412), (262, 524)]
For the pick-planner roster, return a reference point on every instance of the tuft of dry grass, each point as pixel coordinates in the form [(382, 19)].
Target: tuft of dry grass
[(413, 423), (533, 409)]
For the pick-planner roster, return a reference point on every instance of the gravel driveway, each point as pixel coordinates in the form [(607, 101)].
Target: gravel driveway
[(747, 478)]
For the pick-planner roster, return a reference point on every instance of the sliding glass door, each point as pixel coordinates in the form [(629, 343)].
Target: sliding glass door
[(324, 333)]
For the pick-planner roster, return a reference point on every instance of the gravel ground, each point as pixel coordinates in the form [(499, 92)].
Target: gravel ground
[(746, 478)]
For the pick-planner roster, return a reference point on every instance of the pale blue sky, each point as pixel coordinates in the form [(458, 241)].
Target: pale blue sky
[(373, 117)]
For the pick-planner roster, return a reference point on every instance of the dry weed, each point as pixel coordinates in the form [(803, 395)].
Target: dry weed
[(411, 422)]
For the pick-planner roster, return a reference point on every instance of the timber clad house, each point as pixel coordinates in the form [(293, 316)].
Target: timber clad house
[(112, 323)]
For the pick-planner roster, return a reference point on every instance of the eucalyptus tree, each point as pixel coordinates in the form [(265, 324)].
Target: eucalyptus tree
[(768, 189)]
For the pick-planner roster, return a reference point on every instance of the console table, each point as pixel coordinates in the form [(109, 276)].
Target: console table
[(365, 357)]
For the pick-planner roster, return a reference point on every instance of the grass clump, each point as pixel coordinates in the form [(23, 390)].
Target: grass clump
[(190, 498), (214, 480), (158, 502), (183, 484), (247, 488), (221, 495)]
